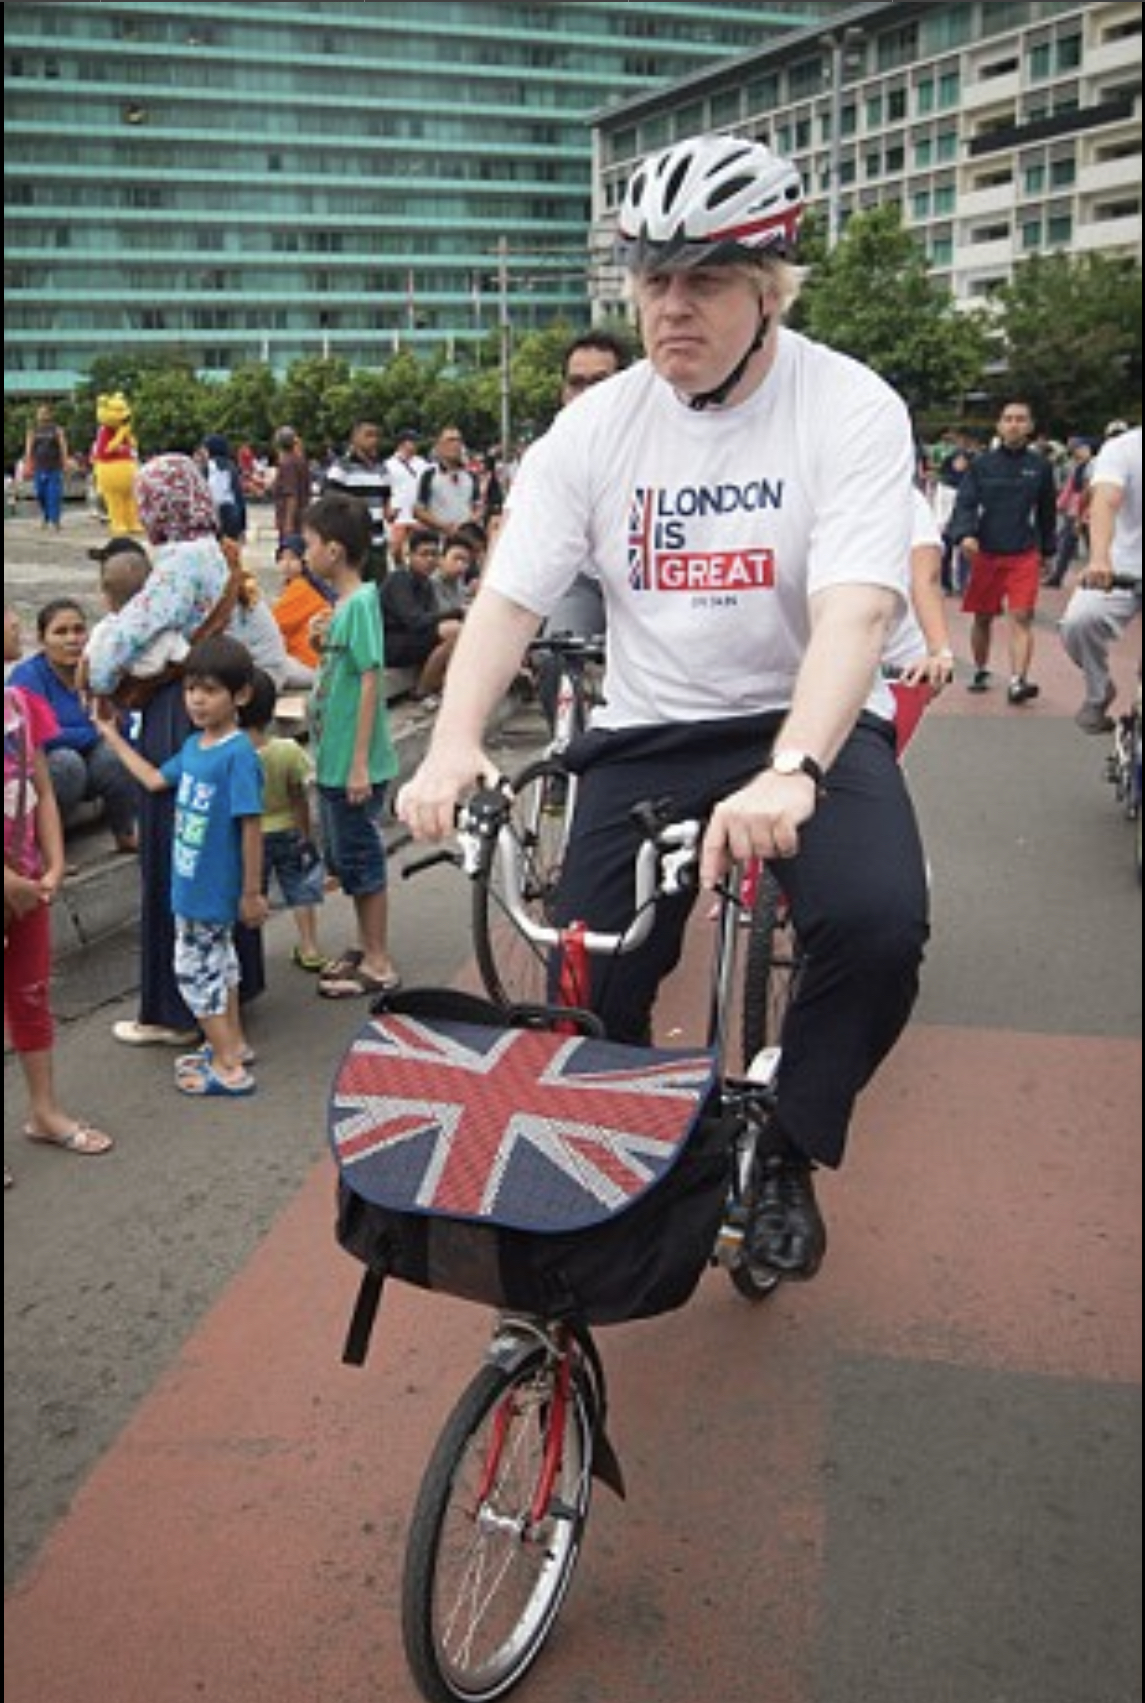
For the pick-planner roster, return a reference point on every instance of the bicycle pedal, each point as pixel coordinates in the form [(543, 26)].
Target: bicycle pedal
[(763, 1066)]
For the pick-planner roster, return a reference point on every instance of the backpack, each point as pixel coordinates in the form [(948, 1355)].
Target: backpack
[(492, 1157)]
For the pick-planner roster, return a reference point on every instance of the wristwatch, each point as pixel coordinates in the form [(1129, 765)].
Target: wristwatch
[(797, 763)]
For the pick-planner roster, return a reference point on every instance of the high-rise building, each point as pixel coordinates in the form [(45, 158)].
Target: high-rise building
[(1001, 131), (262, 182)]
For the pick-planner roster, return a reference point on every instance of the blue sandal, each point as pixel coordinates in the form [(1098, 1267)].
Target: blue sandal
[(206, 1082)]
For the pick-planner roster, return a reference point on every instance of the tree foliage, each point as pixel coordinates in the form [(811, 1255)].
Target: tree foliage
[(872, 297), (1071, 329)]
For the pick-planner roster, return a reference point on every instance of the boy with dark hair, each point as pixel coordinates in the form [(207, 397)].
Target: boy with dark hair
[(216, 874), (354, 755)]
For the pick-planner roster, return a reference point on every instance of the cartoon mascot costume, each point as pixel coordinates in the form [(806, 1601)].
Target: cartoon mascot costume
[(115, 458)]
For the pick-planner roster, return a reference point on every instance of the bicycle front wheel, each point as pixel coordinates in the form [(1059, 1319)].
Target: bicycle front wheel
[(486, 1568), (771, 968), (513, 969)]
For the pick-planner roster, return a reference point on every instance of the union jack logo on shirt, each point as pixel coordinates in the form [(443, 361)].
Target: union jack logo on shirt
[(531, 1130), (640, 539)]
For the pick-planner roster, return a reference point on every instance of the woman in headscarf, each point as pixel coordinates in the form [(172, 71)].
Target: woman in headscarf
[(191, 590)]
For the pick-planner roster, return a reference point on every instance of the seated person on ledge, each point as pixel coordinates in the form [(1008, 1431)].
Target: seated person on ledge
[(418, 633)]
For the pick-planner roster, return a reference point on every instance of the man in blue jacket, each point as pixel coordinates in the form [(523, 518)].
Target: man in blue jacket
[(1005, 521)]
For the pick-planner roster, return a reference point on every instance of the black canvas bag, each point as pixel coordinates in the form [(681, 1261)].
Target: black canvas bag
[(458, 1173)]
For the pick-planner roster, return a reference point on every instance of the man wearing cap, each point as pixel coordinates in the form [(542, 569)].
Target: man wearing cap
[(405, 468)]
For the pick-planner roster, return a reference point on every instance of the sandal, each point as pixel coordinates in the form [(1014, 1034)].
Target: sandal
[(82, 1138), (347, 979), (203, 1055), (208, 1084), (315, 961)]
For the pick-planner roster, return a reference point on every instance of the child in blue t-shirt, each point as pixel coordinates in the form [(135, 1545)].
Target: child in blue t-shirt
[(216, 874)]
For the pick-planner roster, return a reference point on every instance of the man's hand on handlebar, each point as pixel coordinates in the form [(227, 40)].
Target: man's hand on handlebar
[(427, 804), (762, 819)]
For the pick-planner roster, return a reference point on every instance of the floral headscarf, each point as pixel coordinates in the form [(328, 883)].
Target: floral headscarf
[(174, 501)]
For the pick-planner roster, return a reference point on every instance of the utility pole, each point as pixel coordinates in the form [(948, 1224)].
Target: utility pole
[(506, 341)]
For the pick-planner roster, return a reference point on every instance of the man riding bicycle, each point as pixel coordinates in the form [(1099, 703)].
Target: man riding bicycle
[(745, 497)]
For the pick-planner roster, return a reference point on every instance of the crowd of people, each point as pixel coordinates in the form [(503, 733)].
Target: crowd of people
[(748, 517)]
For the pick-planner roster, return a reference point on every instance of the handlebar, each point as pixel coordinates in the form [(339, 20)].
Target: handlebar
[(570, 646), (665, 864)]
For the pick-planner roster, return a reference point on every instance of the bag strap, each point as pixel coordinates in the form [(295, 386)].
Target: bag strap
[(362, 1318)]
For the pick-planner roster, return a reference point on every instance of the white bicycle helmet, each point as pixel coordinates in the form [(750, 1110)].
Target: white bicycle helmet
[(707, 201)]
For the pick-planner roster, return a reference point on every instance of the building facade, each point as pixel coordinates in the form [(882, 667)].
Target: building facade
[(265, 182), (1001, 130)]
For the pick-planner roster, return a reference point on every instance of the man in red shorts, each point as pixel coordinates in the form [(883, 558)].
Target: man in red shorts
[(1005, 521)]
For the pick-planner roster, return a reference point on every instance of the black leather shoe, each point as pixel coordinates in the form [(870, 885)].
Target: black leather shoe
[(786, 1230)]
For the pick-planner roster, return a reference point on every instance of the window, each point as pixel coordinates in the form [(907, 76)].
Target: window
[(1035, 179), (896, 105), (1040, 61), (944, 199), (923, 151), (1031, 234), (925, 96), (942, 251), (1062, 174), (874, 111), (920, 204), (948, 145), (1059, 230), (1069, 53), (948, 89)]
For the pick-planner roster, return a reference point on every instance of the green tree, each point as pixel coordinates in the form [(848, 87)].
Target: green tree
[(872, 297), (244, 406), (1070, 328), (314, 399)]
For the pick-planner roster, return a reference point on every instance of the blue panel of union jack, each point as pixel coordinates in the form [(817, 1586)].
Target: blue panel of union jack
[(529, 1130)]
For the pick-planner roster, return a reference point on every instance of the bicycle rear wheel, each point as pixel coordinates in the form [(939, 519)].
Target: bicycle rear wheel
[(486, 1571), (514, 970), (772, 964)]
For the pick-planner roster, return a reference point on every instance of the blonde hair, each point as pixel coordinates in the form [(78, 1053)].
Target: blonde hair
[(781, 279)]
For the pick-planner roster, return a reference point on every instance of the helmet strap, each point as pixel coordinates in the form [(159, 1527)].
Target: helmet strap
[(717, 397)]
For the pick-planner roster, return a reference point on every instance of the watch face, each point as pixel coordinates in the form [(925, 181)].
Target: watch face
[(787, 762)]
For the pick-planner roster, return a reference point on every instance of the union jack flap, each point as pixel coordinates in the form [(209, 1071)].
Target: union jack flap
[(518, 1128)]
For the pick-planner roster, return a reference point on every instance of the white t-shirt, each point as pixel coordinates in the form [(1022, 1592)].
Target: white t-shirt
[(906, 642), (710, 530), (404, 479), (1119, 463)]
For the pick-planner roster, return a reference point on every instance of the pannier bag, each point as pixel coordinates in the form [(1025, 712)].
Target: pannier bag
[(549, 1173)]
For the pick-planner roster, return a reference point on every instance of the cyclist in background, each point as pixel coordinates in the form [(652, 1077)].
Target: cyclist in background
[(1099, 611), (745, 497), (588, 360)]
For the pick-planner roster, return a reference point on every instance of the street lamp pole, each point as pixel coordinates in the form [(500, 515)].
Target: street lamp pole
[(506, 341), (834, 45)]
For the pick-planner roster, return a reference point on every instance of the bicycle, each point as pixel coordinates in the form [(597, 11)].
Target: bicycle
[(513, 970), (499, 1520), (1123, 767), (1123, 762)]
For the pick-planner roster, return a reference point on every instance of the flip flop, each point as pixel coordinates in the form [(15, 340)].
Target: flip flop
[(314, 961), (82, 1138), (356, 982), (205, 1084)]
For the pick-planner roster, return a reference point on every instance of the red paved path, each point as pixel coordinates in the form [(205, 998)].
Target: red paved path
[(241, 1543)]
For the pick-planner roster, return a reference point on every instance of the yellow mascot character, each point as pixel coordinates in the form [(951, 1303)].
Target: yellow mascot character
[(115, 458)]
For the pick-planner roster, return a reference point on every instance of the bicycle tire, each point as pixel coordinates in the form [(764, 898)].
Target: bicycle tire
[(480, 1592), (513, 970), (772, 965)]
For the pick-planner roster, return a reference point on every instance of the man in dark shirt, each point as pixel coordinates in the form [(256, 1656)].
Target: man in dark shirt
[(1005, 520), (360, 472), (418, 632)]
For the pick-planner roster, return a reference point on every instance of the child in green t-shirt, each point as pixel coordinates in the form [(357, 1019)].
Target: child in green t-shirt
[(354, 756), (290, 855)]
